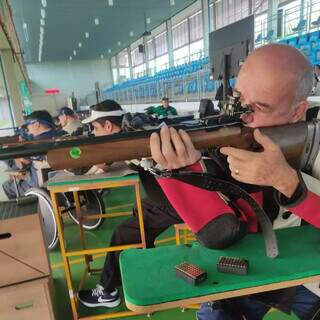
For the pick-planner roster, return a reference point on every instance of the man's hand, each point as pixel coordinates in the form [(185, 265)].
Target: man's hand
[(102, 166), (172, 149), (266, 168), (21, 162)]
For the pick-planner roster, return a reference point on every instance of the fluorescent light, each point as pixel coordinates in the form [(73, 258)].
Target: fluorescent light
[(131, 33), (42, 22), (24, 25), (172, 3), (41, 30), (43, 13), (119, 43), (74, 52), (110, 3), (96, 21), (44, 3), (109, 50), (101, 56), (86, 35), (148, 20), (70, 58), (79, 44)]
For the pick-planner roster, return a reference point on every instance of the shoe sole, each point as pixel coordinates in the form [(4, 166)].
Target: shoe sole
[(111, 304)]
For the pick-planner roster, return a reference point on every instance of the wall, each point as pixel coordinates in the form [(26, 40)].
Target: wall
[(78, 76)]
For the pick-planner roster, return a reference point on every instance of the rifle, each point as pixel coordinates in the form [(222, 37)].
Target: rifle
[(299, 142)]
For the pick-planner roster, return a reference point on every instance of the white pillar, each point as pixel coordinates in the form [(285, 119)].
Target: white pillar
[(170, 42), (206, 24)]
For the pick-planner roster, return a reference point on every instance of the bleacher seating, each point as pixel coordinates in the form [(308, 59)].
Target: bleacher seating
[(146, 86), (184, 80)]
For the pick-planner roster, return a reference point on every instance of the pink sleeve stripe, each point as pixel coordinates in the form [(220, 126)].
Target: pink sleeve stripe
[(309, 209), (195, 206)]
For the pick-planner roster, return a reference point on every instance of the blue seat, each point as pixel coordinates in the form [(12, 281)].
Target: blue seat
[(316, 23), (303, 39), (292, 42), (259, 38), (301, 26), (269, 35)]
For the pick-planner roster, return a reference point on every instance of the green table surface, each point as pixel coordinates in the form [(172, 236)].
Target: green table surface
[(69, 180), (149, 276)]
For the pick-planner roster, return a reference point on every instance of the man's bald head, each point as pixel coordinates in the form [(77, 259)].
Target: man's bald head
[(275, 81), (286, 62)]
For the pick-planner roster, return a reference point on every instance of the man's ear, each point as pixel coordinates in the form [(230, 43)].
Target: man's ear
[(108, 126), (299, 111)]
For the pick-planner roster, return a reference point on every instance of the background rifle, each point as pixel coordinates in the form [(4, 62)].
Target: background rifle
[(299, 143)]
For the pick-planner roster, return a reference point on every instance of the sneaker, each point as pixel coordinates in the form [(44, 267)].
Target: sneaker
[(99, 297)]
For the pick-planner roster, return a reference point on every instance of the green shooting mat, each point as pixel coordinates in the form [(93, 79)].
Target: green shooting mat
[(149, 275)]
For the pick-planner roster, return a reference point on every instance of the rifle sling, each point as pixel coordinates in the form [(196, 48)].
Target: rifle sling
[(209, 182)]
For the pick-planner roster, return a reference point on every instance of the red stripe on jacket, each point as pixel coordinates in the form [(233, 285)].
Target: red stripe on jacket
[(309, 209), (197, 206)]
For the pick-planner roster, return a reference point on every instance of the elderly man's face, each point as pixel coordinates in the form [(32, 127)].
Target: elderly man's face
[(269, 92)]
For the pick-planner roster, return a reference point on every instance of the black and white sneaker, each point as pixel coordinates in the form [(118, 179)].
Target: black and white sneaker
[(99, 297)]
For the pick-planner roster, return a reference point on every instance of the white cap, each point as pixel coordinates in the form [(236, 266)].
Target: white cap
[(101, 114)]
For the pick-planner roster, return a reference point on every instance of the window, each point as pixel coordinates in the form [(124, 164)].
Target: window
[(137, 57), (211, 17), (315, 12), (150, 49), (123, 58), (124, 73), (260, 6), (152, 67), (162, 63), (196, 50), (260, 28), (139, 71), (113, 62), (161, 44), (115, 75), (241, 9), (291, 17), (181, 55), (180, 34), (196, 26)]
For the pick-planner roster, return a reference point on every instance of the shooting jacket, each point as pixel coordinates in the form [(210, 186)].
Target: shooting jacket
[(161, 111), (198, 207)]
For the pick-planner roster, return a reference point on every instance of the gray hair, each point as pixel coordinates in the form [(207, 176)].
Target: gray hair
[(304, 84)]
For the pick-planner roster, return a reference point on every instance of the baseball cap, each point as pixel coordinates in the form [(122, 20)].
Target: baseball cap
[(66, 111), (106, 108), (41, 116)]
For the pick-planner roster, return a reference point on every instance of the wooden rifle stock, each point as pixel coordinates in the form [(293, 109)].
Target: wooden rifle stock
[(9, 139), (292, 139)]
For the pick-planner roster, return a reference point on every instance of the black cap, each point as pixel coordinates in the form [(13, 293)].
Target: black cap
[(66, 111), (106, 105), (42, 116)]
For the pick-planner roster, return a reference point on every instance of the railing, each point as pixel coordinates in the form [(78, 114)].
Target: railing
[(192, 87)]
